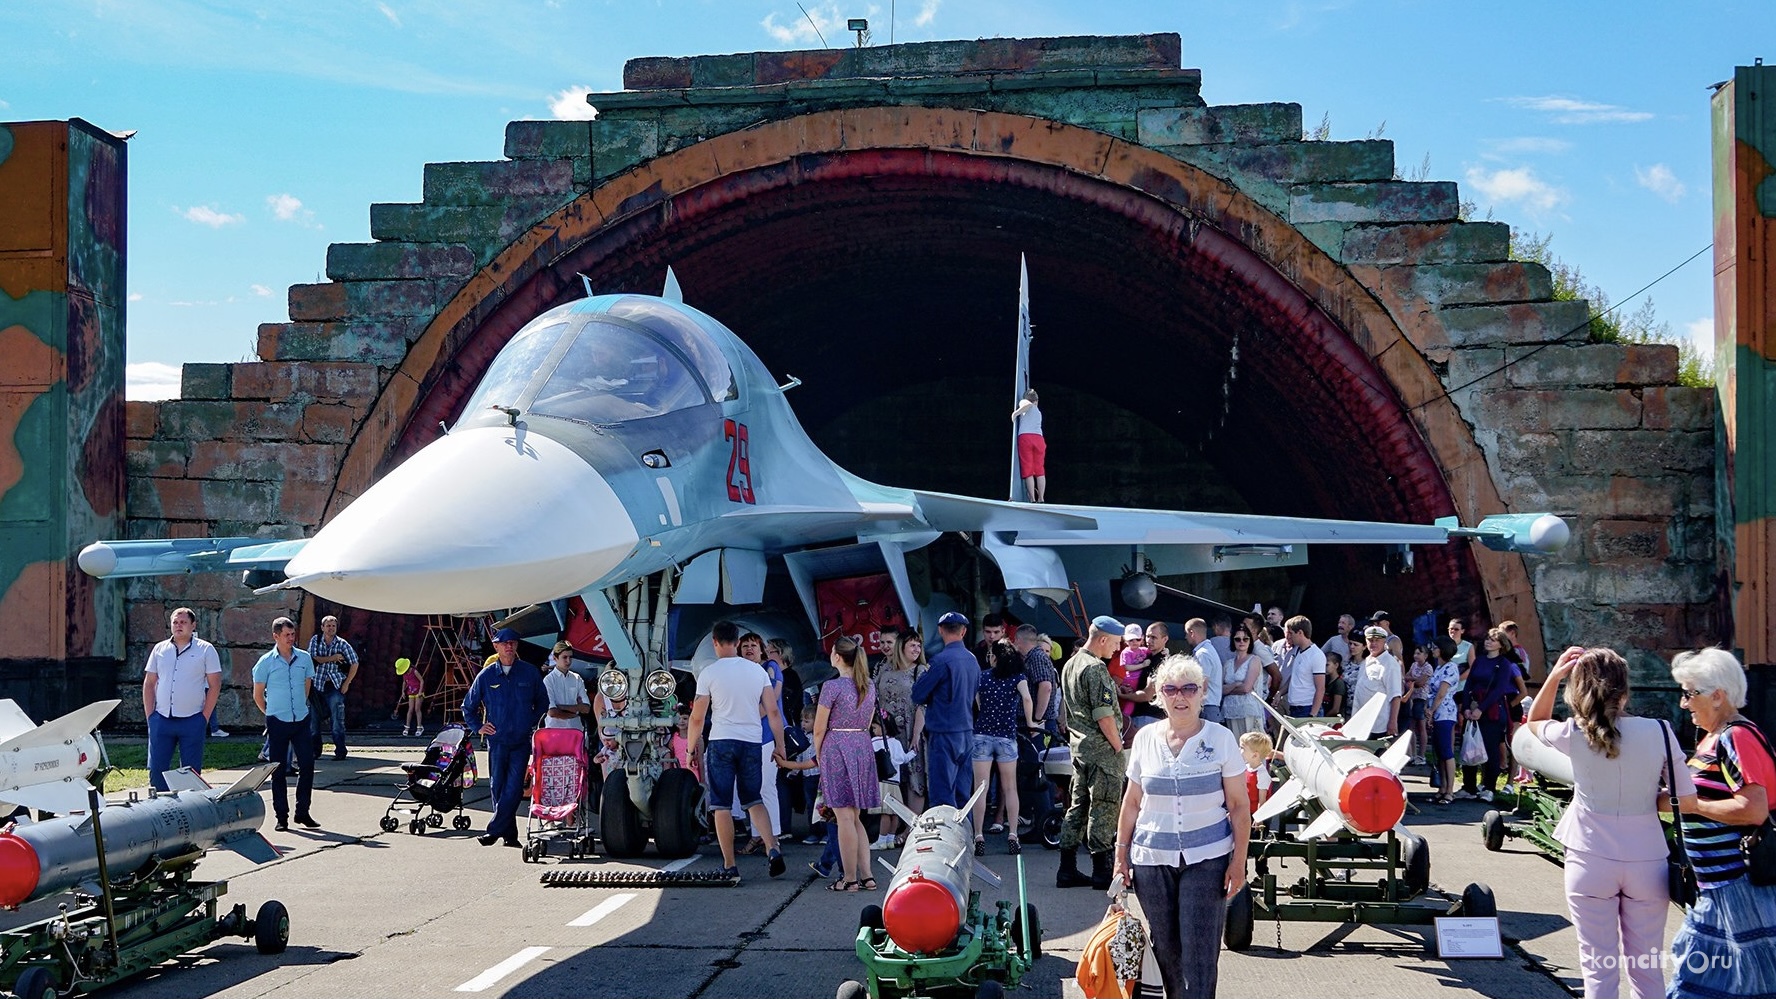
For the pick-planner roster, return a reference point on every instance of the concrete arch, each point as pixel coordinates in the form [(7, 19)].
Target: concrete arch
[(1240, 247)]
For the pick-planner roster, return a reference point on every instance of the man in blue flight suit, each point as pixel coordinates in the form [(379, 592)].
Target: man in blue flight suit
[(504, 704), (947, 692)]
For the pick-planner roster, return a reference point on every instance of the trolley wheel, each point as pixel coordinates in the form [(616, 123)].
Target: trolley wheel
[(1051, 829), (529, 853), (586, 844), (850, 989), (390, 823), (619, 820), (435, 820), (1477, 900), (416, 828), (1238, 933), (35, 982), (990, 989), (460, 823), (271, 927), (678, 797), (870, 917), (1027, 911), (1492, 827), (1415, 862)]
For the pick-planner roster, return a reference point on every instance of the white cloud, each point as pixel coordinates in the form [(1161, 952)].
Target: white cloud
[(1526, 145), (135, 296), (1659, 179), (288, 208), (4, 105), (1571, 111), (389, 13), (927, 11), (570, 105), (149, 381), (261, 291), (1519, 185), (1701, 334), (208, 215), (798, 30)]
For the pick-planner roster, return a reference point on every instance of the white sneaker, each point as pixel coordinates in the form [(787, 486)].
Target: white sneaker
[(1486, 794), (1464, 794), (882, 843), (1418, 761)]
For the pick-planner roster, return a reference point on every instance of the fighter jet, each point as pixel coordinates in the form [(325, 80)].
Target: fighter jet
[(623, 435)]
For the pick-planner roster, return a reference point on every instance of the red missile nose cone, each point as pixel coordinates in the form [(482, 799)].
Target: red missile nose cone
[(19, 870), (920, 916), (1372, 800)]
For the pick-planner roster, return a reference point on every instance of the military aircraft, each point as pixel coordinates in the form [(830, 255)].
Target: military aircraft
[(625, 441)]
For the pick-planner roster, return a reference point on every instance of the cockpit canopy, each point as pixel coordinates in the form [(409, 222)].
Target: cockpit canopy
[(608, 359)]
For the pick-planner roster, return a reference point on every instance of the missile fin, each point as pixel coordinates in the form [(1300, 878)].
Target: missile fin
[(1365, 717), (1328, 823), (184, 779), (252, 845), (76, 724), (974, 798), (13, 721), (1285, 798), (899, 808), (250, 781), (980, 871), (63, 797), (1397, 754), (1290, 726)]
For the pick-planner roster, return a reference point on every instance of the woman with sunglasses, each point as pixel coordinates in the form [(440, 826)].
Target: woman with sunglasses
[(1181, 836), (1727, 944), (1241, 709)]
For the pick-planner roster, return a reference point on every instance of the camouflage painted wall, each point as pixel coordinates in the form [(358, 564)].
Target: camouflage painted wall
[(62, 212)]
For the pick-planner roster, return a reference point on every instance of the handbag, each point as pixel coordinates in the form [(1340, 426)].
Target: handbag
[(1473, 745), (1759, 845), (885, 769), (1680, 877)]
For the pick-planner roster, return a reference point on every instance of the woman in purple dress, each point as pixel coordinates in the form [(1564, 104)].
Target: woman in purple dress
[(847, 759)]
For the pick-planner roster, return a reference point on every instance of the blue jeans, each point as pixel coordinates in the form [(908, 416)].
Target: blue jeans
[(282, 739), (829, 857), (328, 707), (734, 769), (506, 762), (166, 736), (949, 772)]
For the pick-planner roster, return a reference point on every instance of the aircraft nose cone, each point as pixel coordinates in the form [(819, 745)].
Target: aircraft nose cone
[(1372, 800), (484, 518)]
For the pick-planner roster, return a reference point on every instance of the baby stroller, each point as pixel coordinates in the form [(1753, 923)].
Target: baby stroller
[(560, 807), (435, 785), (1045, 769)]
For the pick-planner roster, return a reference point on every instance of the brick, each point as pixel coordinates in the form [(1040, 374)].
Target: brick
[(317, 302), (161, 459), (432, 224), (1656, 583), (204, 420), (141, 420), (1677, 407), (1642, 452), (548, 140), (619, 145), (329, 424), (1529, 322), (1380, 201), (248, 626), (1427, 243), (370, 261), (229, 499), (1592, 364), (494, 183), (1223, 123), (1517, 410), (1627, 496), (263, 461), (305, 502), (332, 381), (1480, 284), (379, 341), (203, 381), (1619, 540), (385, 299)]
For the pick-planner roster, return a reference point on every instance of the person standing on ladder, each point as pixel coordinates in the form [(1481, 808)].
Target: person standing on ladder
[(1032, 447)]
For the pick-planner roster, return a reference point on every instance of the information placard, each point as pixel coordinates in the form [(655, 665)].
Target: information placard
[(1468, 936)]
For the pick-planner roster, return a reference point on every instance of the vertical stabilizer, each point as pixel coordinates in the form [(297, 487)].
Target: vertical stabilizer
[(672, 292)]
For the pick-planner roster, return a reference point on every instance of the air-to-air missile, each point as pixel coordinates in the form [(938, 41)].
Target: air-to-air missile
[(1541, 758), (1541, 801), (45, 767), (930, 934), (1358, 790), (42, 858)]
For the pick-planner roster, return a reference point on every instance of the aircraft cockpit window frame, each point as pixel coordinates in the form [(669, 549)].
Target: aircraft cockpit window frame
[(580, 389), (512, 378), (686, 335)]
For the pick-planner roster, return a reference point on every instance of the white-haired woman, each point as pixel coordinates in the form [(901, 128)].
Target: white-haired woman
[(1182, 833), (1727, 944)]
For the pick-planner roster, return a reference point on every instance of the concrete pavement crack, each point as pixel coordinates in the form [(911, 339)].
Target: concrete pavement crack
[(747, 939)]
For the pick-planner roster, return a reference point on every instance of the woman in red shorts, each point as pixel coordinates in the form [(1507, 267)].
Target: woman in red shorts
[(1032, 449)]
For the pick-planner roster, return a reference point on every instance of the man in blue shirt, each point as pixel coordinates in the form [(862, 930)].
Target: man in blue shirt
[(947, 692), (504, 704), (282, 681)]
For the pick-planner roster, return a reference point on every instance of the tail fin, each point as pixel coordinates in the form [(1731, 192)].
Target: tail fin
[(253, 846), (76, 724), (249, 781)]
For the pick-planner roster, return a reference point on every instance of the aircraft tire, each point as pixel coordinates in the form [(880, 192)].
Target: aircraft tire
[(1238, 934), (1477, 900), (619, 821), (271, 927), (677, 799), (1415, 862), (852, 989)]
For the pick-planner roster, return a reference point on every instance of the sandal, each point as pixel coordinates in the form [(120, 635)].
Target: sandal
[(867, 884), (1012, 846), (842, 885), (753, 846), (980, 846)]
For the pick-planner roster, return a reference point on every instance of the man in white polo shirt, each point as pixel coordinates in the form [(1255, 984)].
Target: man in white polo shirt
[(180, 685), (1304, 669)]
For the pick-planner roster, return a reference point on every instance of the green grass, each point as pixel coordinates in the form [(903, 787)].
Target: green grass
[(130, 763)]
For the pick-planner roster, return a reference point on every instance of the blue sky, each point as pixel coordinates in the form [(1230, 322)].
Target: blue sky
[(265, 131)]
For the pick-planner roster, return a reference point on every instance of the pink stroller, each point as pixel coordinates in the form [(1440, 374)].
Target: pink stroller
[(559, 808)]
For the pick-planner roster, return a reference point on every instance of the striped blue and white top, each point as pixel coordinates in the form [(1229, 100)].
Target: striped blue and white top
[(1183, 816)]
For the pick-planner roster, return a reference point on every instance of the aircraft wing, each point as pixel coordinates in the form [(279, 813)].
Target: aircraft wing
[(126, 559)]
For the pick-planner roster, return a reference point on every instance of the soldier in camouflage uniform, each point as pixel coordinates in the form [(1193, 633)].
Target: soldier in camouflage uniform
[(1098, 760)]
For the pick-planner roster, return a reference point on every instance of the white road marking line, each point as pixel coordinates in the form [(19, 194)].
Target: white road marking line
[(492, 975), (679, 865), (602, 909)]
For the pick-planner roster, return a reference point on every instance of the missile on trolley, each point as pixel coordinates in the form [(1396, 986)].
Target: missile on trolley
[(1358, 790), (45, 767), (927, 897), (1540, 757), (43, 858)]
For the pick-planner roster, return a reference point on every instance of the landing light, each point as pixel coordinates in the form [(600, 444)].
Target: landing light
[(613, 684), (660, 684)]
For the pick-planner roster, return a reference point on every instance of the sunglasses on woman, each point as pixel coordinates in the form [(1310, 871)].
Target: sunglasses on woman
[(1174, 690)]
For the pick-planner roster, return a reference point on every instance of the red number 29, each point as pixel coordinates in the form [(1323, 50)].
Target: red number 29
[(739, 462)]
